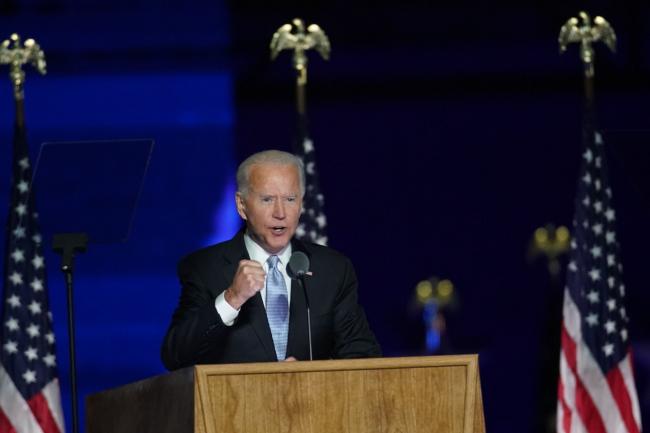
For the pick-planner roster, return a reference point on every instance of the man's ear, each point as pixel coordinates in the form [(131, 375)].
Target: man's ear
[(241, 206)]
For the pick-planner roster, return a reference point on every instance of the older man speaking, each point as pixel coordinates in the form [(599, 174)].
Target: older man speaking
[(238, 303)]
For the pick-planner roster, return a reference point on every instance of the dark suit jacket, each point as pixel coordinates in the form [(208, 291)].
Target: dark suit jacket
[(198, 336)]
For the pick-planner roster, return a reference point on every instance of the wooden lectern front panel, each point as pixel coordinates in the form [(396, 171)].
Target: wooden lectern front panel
[(354, 400)]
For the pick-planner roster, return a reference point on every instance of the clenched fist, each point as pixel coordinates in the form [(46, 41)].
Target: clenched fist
[(249, 279)]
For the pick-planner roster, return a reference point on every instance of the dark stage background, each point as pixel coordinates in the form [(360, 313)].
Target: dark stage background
[(445, 133)]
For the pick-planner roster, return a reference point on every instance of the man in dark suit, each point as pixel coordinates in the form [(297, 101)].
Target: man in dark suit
[(238, 303)]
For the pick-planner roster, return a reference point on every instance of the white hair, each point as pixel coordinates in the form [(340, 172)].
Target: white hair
[(276, 157)]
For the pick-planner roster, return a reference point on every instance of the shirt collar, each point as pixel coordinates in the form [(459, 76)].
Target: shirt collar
[(259, 254)]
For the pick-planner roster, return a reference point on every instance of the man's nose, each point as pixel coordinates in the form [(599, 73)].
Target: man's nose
[(278, 210)]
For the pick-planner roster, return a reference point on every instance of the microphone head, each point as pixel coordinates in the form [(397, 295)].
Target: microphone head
[(298, 265)]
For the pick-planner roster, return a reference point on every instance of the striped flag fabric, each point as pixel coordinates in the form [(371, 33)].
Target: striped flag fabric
[(312, 226), (596, 391), (30, 399)]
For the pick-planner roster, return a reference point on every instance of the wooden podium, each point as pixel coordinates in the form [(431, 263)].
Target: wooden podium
[(440, 394)]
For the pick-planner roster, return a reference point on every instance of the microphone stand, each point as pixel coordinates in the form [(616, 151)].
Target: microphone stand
[(301, 280), (67, 244)]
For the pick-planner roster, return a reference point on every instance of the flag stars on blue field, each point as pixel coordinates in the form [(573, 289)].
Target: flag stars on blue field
[(21, 209), (22, 186), (29, 376), (38, 262), (11, 347), (24, 163), (592, 319), (36, 284), (18, 255), (596, 251), (593, 297), (611, 304), (33, 330), (49, 360), (588, 156), (35, 307), (12, 324), (610, 326), (608, 349), (598, 207), (19, 232), (14, 301), (49, 337), (597, 184), (597, 229), (611, 260), (16, 278), (594, 274), (31, 353)]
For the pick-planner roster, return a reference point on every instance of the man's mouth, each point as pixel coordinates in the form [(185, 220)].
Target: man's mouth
[(278, 229)]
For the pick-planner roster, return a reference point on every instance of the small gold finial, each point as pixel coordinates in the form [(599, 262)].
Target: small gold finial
[(15, 55), (550, 242), (586, 34), (293, 37)]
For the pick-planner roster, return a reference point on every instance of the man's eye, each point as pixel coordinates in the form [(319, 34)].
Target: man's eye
[(291, 199), (267, 199)]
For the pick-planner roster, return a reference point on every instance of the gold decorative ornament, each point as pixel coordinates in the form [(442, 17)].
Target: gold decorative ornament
[(582, 31), (15, 54), (294, 37), (551, 243)]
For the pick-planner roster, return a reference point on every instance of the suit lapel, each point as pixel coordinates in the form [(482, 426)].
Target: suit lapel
[(254, 307)]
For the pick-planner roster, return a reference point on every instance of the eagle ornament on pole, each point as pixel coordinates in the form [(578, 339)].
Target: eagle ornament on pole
[(15, 54), (582, 31), (295, 37)]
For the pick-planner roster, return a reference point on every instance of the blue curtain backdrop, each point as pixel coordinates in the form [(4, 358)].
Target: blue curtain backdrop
[(445, 135)]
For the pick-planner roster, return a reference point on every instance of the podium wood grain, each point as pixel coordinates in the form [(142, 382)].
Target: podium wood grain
[(409, 395)]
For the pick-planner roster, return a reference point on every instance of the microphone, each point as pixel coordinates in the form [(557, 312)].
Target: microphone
[(298, 265), (297, 268)]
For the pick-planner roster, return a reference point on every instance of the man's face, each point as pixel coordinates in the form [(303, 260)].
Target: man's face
[(272, 206)]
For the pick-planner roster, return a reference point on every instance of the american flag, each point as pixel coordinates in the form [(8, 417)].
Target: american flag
[(30, 400), (596, 391), (313, 224)]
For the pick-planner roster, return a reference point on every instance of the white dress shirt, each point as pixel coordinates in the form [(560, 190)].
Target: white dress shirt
[(227, 313)]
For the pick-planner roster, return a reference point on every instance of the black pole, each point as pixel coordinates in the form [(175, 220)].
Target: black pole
[(72, 351), (67, 244), (301, 279)]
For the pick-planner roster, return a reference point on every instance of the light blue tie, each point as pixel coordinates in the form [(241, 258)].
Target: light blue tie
[(277, 307)]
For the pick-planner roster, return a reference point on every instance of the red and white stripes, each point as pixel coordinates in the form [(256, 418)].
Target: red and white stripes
[(40, 414), (588, 400)]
